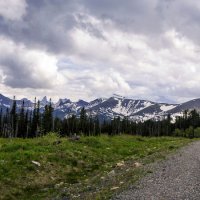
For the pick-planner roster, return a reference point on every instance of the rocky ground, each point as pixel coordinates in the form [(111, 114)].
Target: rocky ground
[(178, 177)]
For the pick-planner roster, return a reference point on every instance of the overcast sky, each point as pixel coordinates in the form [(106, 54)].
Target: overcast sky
[(144, 49)]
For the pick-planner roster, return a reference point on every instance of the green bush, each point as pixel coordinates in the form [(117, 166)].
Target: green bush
[(189, 132), (178, 133), (197, 132), (51, 136)]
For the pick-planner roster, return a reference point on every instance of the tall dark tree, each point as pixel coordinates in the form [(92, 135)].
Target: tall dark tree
[(97, 128), (83, 121), (1, 122), (21, 123), (13, 118), (47, 119), (27, 124), (57, 125), (34, 121)]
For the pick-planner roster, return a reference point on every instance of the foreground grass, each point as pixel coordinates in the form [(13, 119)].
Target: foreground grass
[(92, 168)]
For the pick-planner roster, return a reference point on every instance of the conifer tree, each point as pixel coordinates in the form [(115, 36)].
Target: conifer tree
[(13, 118), (57, 125), (97, 130), (27, 124), (83, 119), (1, 122), (21, 123), (47, 119), (34, 121), (38, 120)]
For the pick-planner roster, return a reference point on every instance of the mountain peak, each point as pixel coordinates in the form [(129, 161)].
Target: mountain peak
[(44, 99), (109, 108), (82, 103), (63, 101)]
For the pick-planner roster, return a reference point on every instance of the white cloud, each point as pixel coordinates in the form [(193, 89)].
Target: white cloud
[(146, 49), (26, 68), (147, 72), (13, 9)]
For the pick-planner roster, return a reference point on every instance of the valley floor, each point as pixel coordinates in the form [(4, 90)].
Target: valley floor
[(90, 168)]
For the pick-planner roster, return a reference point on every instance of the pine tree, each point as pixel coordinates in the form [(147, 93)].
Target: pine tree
[(97, 130), (38, 120), (34, 121), (13, 118), (57, 125), (47, 119), (27, 124), (21, 123), (7, 127), (1, 122), (83, 119)]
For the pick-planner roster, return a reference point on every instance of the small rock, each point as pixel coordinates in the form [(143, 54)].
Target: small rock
[(36, 163), (137, 164), (65, 189), (111, 173), (45, 189), (75, 138), (120, 164), (76, 196), (59, 185), (114, 188)]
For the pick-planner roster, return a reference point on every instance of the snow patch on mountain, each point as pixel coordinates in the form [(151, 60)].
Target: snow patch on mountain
[(167, 107), (108, 108)]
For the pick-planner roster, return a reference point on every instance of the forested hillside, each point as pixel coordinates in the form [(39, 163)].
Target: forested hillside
[(25, 123)]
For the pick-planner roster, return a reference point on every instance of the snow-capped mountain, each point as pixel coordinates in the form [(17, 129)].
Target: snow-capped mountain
[(6, 102), (108, 108), (135, 109), (44, 101)]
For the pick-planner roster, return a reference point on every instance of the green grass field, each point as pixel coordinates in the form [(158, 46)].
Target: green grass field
[(91, 168)]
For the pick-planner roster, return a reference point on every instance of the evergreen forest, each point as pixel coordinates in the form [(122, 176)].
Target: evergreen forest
[(24, 123)]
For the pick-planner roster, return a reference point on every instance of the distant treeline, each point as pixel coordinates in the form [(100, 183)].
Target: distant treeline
[(28, 124)]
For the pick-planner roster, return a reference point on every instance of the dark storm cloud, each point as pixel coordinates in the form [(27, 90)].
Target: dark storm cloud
[(86, 25), (133, 16), (47, 24), (150, 18), (17, 74), (20, 74)]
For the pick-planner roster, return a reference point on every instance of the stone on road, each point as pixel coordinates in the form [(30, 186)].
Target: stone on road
[(178, 177)]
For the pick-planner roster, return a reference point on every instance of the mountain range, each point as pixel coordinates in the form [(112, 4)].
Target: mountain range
[(108, 108)]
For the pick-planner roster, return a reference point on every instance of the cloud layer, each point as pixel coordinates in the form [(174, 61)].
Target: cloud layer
[(89, 48)]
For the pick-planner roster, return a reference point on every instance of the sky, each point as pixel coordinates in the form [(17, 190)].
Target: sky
[(85, 49)]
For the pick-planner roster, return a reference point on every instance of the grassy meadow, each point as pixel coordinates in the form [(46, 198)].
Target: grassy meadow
[(91, 168)]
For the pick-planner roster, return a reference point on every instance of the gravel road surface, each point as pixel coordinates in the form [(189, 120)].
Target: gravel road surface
[(178, 177)]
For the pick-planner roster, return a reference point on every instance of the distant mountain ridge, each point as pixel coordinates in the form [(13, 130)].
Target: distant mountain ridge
[(108, 108)]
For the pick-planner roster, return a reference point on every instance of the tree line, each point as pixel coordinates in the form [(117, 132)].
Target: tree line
[(24, 123)]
